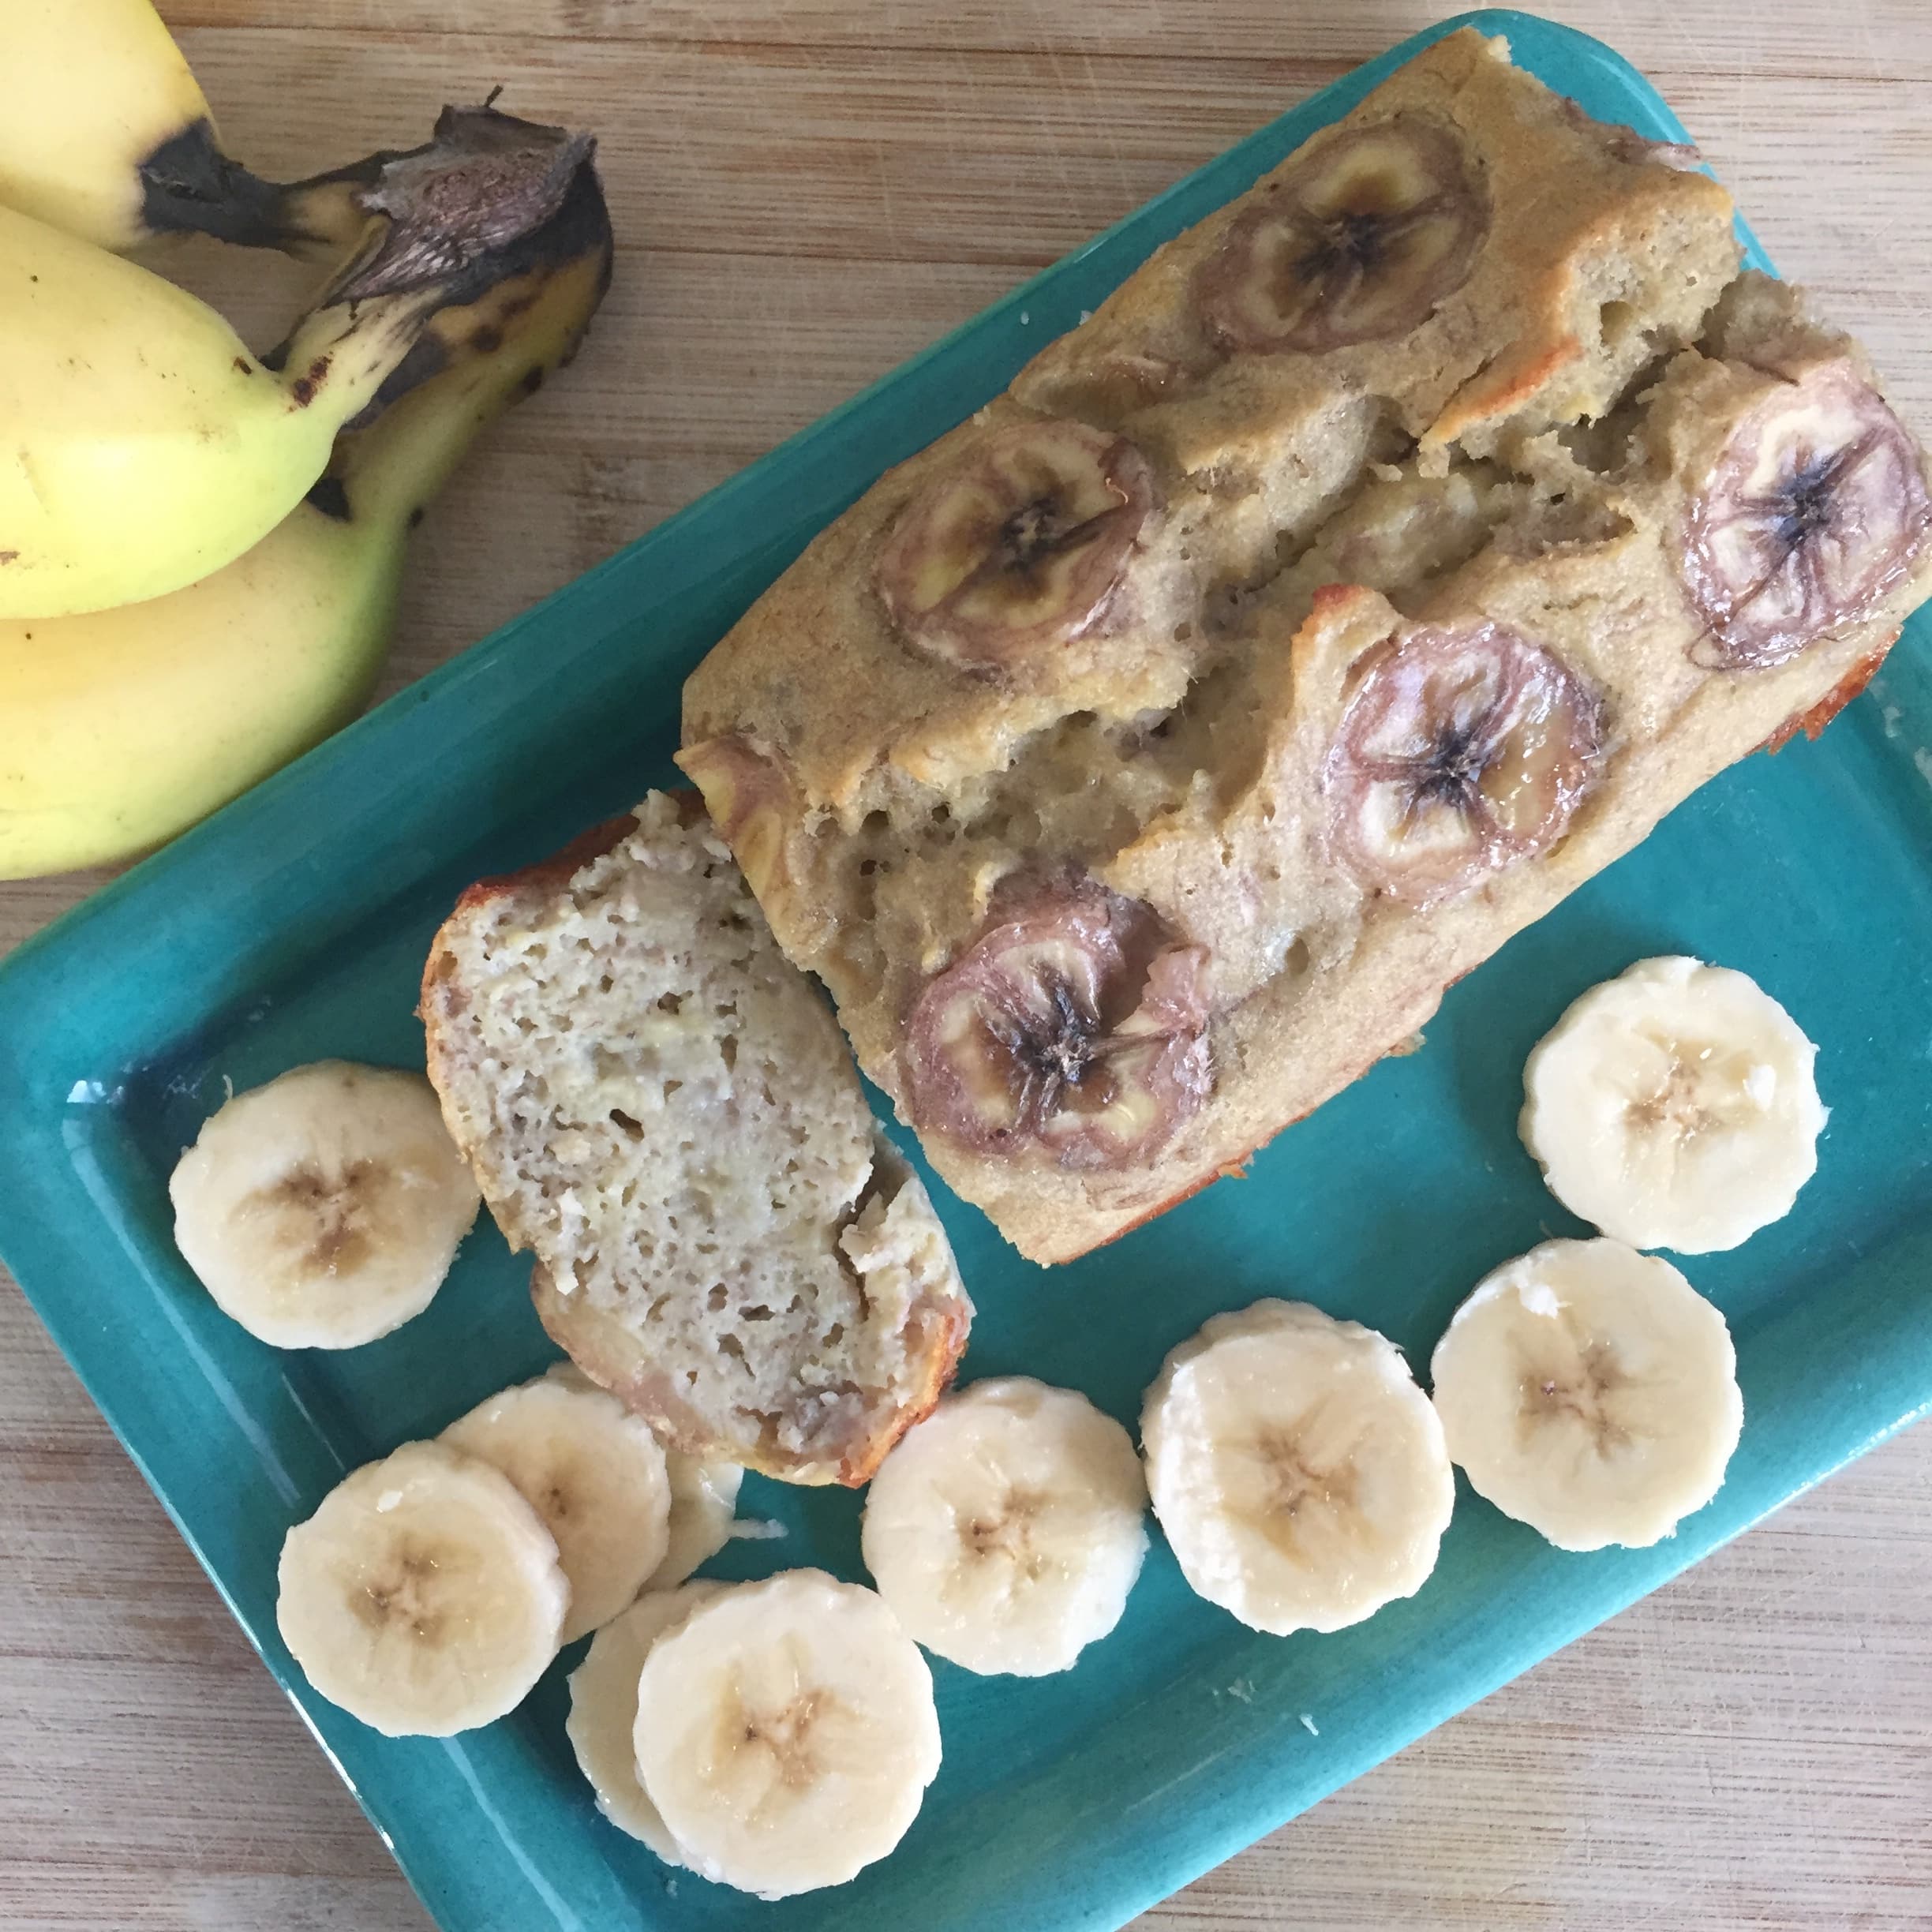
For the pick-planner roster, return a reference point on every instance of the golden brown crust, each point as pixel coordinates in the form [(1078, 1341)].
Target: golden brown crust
[(547, 874), (1814, 719)]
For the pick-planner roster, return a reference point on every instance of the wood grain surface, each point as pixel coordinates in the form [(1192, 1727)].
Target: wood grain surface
[(806, 191)]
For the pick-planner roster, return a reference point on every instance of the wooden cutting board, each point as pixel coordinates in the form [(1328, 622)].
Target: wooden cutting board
[(808, 191)]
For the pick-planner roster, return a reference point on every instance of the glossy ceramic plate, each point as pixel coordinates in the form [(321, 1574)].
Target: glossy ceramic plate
[(293, 926)]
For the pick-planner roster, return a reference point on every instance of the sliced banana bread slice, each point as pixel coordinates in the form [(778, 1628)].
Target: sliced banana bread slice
[(664, 1111)]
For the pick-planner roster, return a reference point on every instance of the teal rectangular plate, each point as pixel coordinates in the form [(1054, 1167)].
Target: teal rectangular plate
[(294, 925)]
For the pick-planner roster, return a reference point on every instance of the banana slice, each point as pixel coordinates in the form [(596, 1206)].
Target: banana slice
[(704, 1505), (1019, 547), (704, 1500), (1072, 1033), (604, 1709), (751, 795), (1298, 1471), (424, 1596), (1463, 750), (593, 1472), (1817, 508), (1675, 1107), (324, 1210), (786, 1733), (1356, 240), (1005, 1531), (1589, 1392)]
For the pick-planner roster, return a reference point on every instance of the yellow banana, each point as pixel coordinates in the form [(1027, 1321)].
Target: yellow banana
[(119, 728), (106, 135), (96, 91), (145, 447)]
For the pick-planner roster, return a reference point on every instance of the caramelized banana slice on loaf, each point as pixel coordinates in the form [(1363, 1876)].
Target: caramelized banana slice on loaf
[(1817, 508), (1464, 750), (1019, 547), (1070, 1032), (1358, 240)]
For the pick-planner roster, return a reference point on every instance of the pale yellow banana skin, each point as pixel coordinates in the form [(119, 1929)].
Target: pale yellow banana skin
[(94, 87), (145, 445), (120, 729)]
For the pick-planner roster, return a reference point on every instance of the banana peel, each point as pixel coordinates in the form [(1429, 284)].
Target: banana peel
[(147, 447), (119, 728)]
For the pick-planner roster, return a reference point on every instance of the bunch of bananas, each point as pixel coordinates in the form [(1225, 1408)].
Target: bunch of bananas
[(200, 547)]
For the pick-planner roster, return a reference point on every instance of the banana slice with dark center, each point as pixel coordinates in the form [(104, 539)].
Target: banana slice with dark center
[(1357, 241), (1072, 1033), (1817, 508), (1462, 751), (1019, 547)]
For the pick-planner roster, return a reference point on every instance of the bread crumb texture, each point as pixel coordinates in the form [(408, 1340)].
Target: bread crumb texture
[(662, 1109)]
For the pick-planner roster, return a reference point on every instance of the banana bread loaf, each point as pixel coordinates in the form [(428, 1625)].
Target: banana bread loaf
[(662, 1109), (1139, 762)]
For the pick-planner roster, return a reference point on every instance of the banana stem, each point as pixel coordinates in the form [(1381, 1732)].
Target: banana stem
[(188, 186), (343, 355), (439, 227), (482, 356)]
